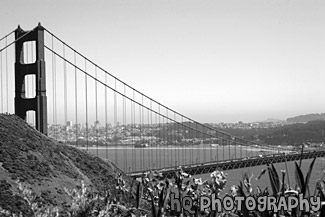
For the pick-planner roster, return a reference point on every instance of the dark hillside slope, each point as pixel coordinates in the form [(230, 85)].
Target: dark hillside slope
[(295, 134), (45, 165)]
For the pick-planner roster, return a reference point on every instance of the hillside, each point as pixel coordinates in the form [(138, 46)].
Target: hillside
[(306, 118), (295, 134), (46, 166), (291, 134)]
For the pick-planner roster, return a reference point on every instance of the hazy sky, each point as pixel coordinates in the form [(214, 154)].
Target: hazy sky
[(212, 60)]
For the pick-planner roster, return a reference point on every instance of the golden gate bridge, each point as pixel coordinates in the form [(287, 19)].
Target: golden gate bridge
[(61, 92)]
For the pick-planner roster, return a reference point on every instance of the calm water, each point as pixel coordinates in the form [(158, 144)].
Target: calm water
[(131, 159), (135, 159)]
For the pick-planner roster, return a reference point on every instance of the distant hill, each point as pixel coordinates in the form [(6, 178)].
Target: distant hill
[(290, 134), (306, 118), (46, 166), (272, 120), (295, 134)]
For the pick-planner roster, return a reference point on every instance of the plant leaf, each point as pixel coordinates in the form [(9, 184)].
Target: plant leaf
[(308, 176), (299, 178), (161, 201), (245, 211), (138, 195), (153, 208), (274, 179)]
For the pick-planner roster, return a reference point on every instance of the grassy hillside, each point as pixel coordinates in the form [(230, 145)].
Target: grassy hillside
[(45, 166)]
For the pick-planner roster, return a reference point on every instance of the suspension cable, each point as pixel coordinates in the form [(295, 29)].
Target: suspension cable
[(223, 133), (13, 42), (133, 100), (7, 35)]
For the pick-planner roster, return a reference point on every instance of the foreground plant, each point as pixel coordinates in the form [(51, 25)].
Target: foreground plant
[(160, 196)]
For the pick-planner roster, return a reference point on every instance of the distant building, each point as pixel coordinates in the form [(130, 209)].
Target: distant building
[(69, 124), (96, 124)]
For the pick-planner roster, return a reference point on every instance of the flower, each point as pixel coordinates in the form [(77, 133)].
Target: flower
[(247, 182), (198, 181), (291, 192), (233, 190), (219, 180)]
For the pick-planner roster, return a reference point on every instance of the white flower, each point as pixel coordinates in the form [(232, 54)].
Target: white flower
[(198, 181), (234, 190)]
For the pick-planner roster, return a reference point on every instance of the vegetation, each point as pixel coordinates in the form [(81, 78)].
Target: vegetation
[(154, 194), (293, 134), (37, 173), (306, 118)]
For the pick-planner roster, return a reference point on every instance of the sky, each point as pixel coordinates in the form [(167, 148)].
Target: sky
[(211, 60)]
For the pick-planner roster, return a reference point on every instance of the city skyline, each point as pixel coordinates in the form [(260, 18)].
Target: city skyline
[(214, 61)]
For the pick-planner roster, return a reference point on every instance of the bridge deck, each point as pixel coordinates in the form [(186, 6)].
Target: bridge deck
[(237, 163)]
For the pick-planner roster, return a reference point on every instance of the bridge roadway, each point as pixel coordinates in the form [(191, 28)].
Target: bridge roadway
[(236, 163)]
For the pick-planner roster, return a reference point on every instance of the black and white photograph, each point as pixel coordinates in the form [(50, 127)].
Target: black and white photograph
[(157, 108)]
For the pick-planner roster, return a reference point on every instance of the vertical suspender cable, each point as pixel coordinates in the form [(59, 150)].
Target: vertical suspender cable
[(241, 150), (235, 147), (182, 144), (149, 142), (164, 138), (197, 136), (96, 98), (140, 125), (223, 148), (156, 140), (7, 76), (1, 84), (65, 95), (132, 130), (141, 132), (106, 116), (211, 148), (175, 125), (193, 143), (115, 123), (76, 97), (55, 106), (229, 143), (246, 155), (86, 91), (96, 102), (124, 125), (217, 140), (151, 135), (168, 150), (203, 142), (53, 87), (160, 139)]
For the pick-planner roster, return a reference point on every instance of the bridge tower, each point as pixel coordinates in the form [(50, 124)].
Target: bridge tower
[(37, 68)]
